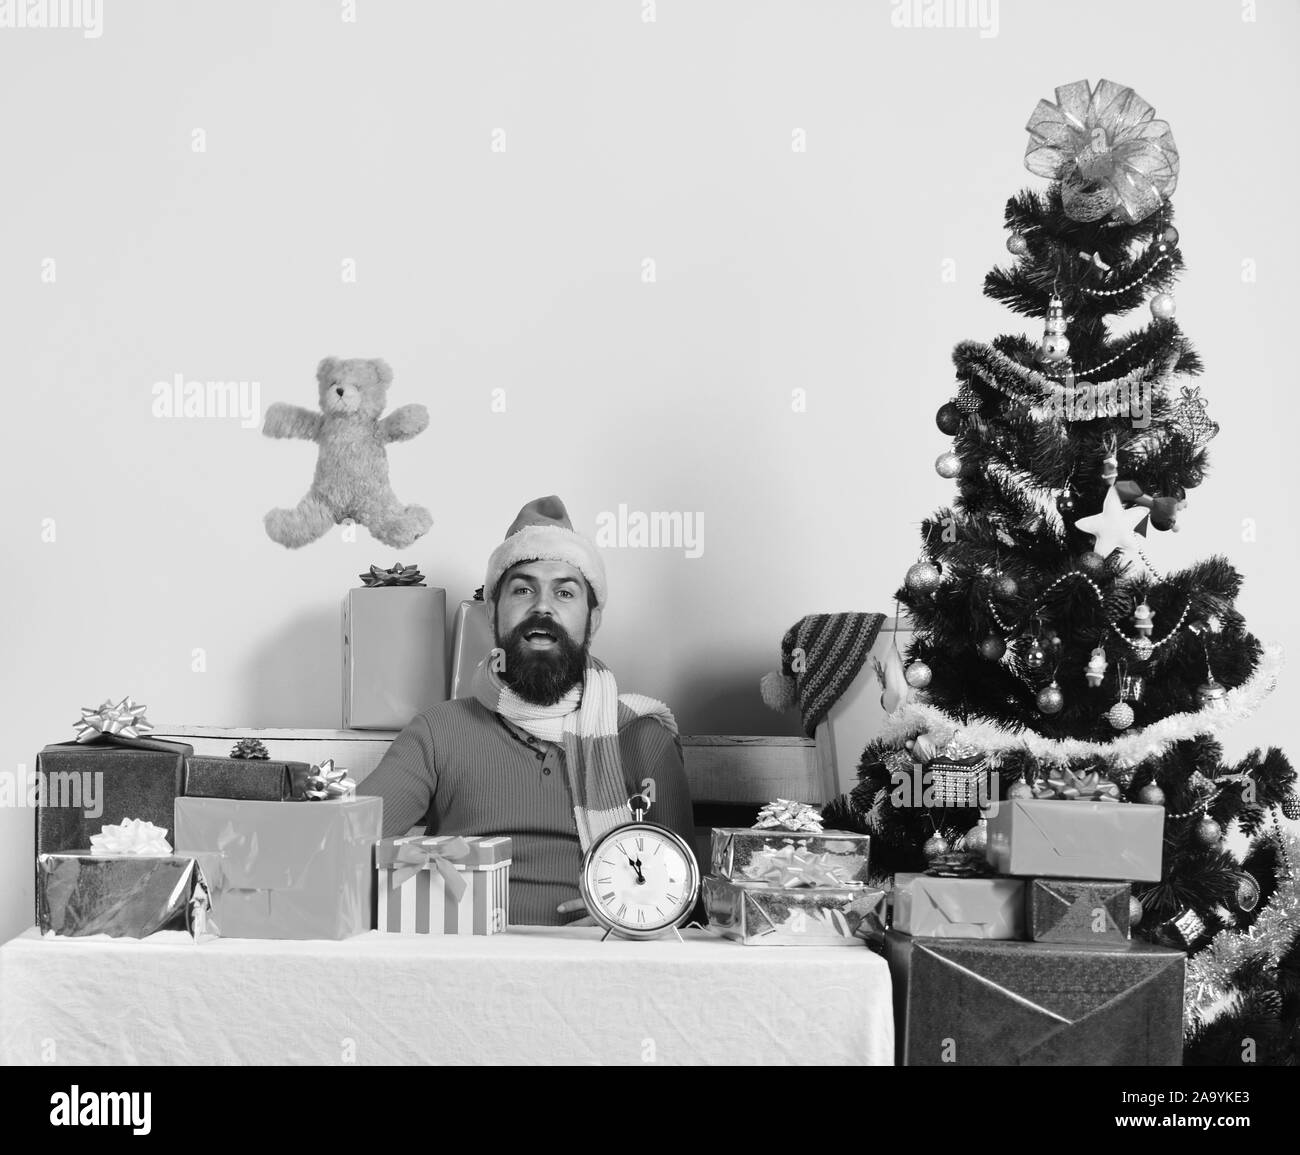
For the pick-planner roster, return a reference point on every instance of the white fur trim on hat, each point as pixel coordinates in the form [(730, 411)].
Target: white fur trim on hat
[(547, 543)]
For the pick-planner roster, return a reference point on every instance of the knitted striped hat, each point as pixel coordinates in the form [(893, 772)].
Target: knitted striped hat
[(820, 656)]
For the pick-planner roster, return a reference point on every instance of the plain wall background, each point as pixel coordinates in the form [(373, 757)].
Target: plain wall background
[(522, 270)]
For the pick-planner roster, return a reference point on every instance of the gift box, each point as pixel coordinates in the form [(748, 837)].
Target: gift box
[(285, 869), (122, 895), (833, 857), (85, 785), (1069, 910), (961, 1002), (927, 906), (253, 779), (1076, 839), (755, 914), (443, 885), (394, 655), (471, 642)]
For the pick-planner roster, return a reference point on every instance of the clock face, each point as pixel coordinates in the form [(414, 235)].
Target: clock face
[(637, 878)]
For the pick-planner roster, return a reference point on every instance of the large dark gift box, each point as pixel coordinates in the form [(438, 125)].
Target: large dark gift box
[(969, 1002), (87, 785), (257, 780)]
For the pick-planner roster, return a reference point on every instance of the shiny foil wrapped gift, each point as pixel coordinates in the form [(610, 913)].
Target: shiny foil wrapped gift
[(757, 914), (834, 857), (122, 895), (1078, 911), (961, 1002), (1076, 839), (286, 869), (927, 906), (446, 884), (259, 780)]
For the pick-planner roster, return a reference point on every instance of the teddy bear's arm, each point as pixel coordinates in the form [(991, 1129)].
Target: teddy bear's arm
[(404, 423), (292, 421)]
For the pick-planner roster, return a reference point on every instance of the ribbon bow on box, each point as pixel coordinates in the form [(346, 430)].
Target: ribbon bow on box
[(796, 817), (1106, 148), (131, 836), (398, 575), (124, 720), (325, 782), (409, 858), (788, 868), (1067, 786)]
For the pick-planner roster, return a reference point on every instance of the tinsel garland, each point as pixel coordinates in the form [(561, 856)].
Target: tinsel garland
[(1124, 750), (1210, 972)]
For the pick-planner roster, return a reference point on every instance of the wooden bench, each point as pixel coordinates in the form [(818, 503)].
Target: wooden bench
[(729, 775)]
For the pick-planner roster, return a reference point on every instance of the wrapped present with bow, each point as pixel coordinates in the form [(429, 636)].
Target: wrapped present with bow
[(445, 884), (955, 777), (111, 769), (290, 870), (128, 884), (942, 906), (260, 779), (788, 838), (1076, 838), (394, 653), (1068, 785), (757, 914)]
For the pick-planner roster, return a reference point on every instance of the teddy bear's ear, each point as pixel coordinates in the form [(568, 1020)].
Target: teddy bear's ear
[(382, 371), (326, 369)]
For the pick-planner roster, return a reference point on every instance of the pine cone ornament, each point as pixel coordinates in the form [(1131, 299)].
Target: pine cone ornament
[(251, 748)]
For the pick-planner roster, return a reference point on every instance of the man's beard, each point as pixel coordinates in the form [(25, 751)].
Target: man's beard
[(543, 677)]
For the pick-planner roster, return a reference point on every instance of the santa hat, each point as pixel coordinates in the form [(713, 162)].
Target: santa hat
[(834, 647), (543, 532)]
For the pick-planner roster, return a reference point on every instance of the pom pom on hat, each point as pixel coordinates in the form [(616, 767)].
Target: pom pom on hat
[(779, 691)]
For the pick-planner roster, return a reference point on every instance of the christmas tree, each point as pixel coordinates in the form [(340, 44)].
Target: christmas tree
[(1049, 651)]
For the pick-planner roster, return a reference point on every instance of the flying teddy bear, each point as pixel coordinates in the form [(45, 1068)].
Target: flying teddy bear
[(351, 478)]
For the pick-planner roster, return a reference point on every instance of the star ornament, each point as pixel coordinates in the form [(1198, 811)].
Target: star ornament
[(1114, 527)]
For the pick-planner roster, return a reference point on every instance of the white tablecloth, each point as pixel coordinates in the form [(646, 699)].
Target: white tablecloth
[(531, 995)]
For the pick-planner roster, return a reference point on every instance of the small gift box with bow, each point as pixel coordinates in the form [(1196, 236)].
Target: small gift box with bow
[(933, 906), (958, 776), (757, 914), (111, 770), (129, 884), (448, 884), (394, 653), (1078, 911), (1077, 838), (253, 779), (286, 869)]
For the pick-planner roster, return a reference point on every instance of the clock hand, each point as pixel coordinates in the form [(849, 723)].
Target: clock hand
[(636, 865)]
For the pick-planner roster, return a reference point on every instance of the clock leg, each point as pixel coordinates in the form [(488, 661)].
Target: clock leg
[(606, 935)]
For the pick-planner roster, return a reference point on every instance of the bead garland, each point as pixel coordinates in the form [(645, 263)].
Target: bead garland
[(1132, 284), (1199, 808), (1096, 368)]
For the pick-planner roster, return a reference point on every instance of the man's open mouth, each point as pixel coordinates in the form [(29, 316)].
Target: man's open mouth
[(541, 637)]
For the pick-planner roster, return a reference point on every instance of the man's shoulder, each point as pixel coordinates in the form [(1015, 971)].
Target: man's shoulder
[(453, 713)]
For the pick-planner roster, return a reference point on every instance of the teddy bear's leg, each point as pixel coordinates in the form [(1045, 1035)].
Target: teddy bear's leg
[(311, 519), (395, 524)]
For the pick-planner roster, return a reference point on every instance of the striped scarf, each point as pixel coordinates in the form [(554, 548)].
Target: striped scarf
[(586, 721)]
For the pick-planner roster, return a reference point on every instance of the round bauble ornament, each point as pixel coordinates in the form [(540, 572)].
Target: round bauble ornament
[(922, 578), (1036, 655), (1050, 699), (1017, 244), (1055, 347), (976, 839), (1066, 505), (948, 419), (934, 846), (1005, 586), (1247, 892), (1134, 910), (1020, 789), (1169, 235), (1207, 831), (1091, 563), (948, 465), (1212, 695), (1151, 795), (1142, 648), (992, 648), (1120, 715), (918, 675), (1162, 306)]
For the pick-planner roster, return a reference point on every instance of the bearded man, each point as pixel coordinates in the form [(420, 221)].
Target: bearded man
[(545, 750)]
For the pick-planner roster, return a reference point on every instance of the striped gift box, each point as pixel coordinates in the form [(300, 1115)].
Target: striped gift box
[(418, 897)]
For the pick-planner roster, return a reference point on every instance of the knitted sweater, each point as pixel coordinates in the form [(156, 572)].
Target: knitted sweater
[(463, 769)]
